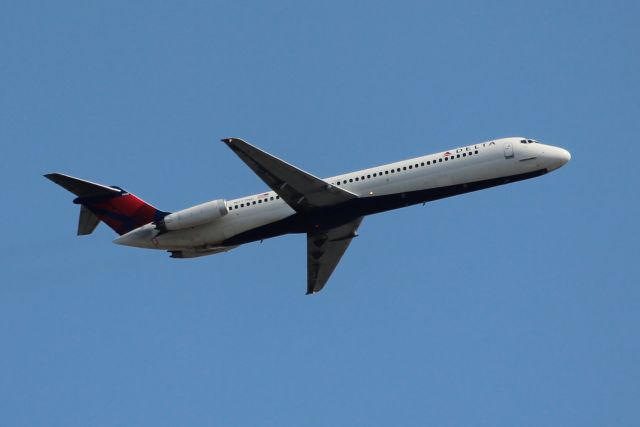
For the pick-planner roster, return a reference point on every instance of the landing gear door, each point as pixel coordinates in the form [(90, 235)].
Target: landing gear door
[(508, 150)]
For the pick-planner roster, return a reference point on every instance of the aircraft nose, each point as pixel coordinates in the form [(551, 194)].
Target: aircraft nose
[(564, 156), (556, 157)]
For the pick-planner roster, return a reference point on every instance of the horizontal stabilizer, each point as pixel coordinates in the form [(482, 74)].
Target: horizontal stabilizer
[(80, 187)]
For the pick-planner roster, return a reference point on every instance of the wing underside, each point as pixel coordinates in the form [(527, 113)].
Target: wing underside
[(324, 251)]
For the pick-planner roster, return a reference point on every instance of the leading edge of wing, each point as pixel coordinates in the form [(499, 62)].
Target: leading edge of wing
[(299, 189)]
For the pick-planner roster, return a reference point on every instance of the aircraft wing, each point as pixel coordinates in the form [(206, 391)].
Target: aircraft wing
[(324, 251), (299, 189)]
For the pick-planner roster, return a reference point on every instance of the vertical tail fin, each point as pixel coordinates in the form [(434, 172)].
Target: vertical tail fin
[(120, 210), (87, 222)]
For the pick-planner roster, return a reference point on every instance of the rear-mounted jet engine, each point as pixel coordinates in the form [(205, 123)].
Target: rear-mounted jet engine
[(193, 216)]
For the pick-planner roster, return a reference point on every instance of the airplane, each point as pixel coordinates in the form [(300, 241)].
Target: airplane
[(329, 211)]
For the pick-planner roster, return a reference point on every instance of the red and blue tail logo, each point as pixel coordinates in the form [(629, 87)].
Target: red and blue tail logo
[(122, 211)]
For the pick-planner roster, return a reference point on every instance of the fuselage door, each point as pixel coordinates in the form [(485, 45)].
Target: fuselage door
[(508, 150)]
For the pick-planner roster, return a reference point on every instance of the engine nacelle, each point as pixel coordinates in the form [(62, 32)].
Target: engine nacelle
[(193, 216)]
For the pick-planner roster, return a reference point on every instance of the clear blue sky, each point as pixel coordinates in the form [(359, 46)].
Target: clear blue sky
[(513, 306)]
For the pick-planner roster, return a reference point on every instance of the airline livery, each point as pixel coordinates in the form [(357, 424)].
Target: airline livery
[(328, 210)]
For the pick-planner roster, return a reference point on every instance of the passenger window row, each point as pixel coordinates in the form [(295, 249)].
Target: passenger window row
[(404, 168), (236, 206)]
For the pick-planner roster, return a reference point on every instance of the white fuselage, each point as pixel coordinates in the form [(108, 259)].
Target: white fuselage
[(419, 179)]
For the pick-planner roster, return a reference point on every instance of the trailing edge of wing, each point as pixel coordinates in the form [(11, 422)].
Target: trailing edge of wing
[(299, 189), (324, 251)]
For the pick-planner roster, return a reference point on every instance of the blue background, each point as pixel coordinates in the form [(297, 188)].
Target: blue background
[(513, 306)]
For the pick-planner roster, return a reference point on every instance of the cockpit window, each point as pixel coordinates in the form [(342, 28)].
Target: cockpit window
[(528, 141)]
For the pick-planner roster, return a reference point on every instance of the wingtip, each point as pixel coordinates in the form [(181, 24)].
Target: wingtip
[(56, 177), (233, 141), (53, 176)]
